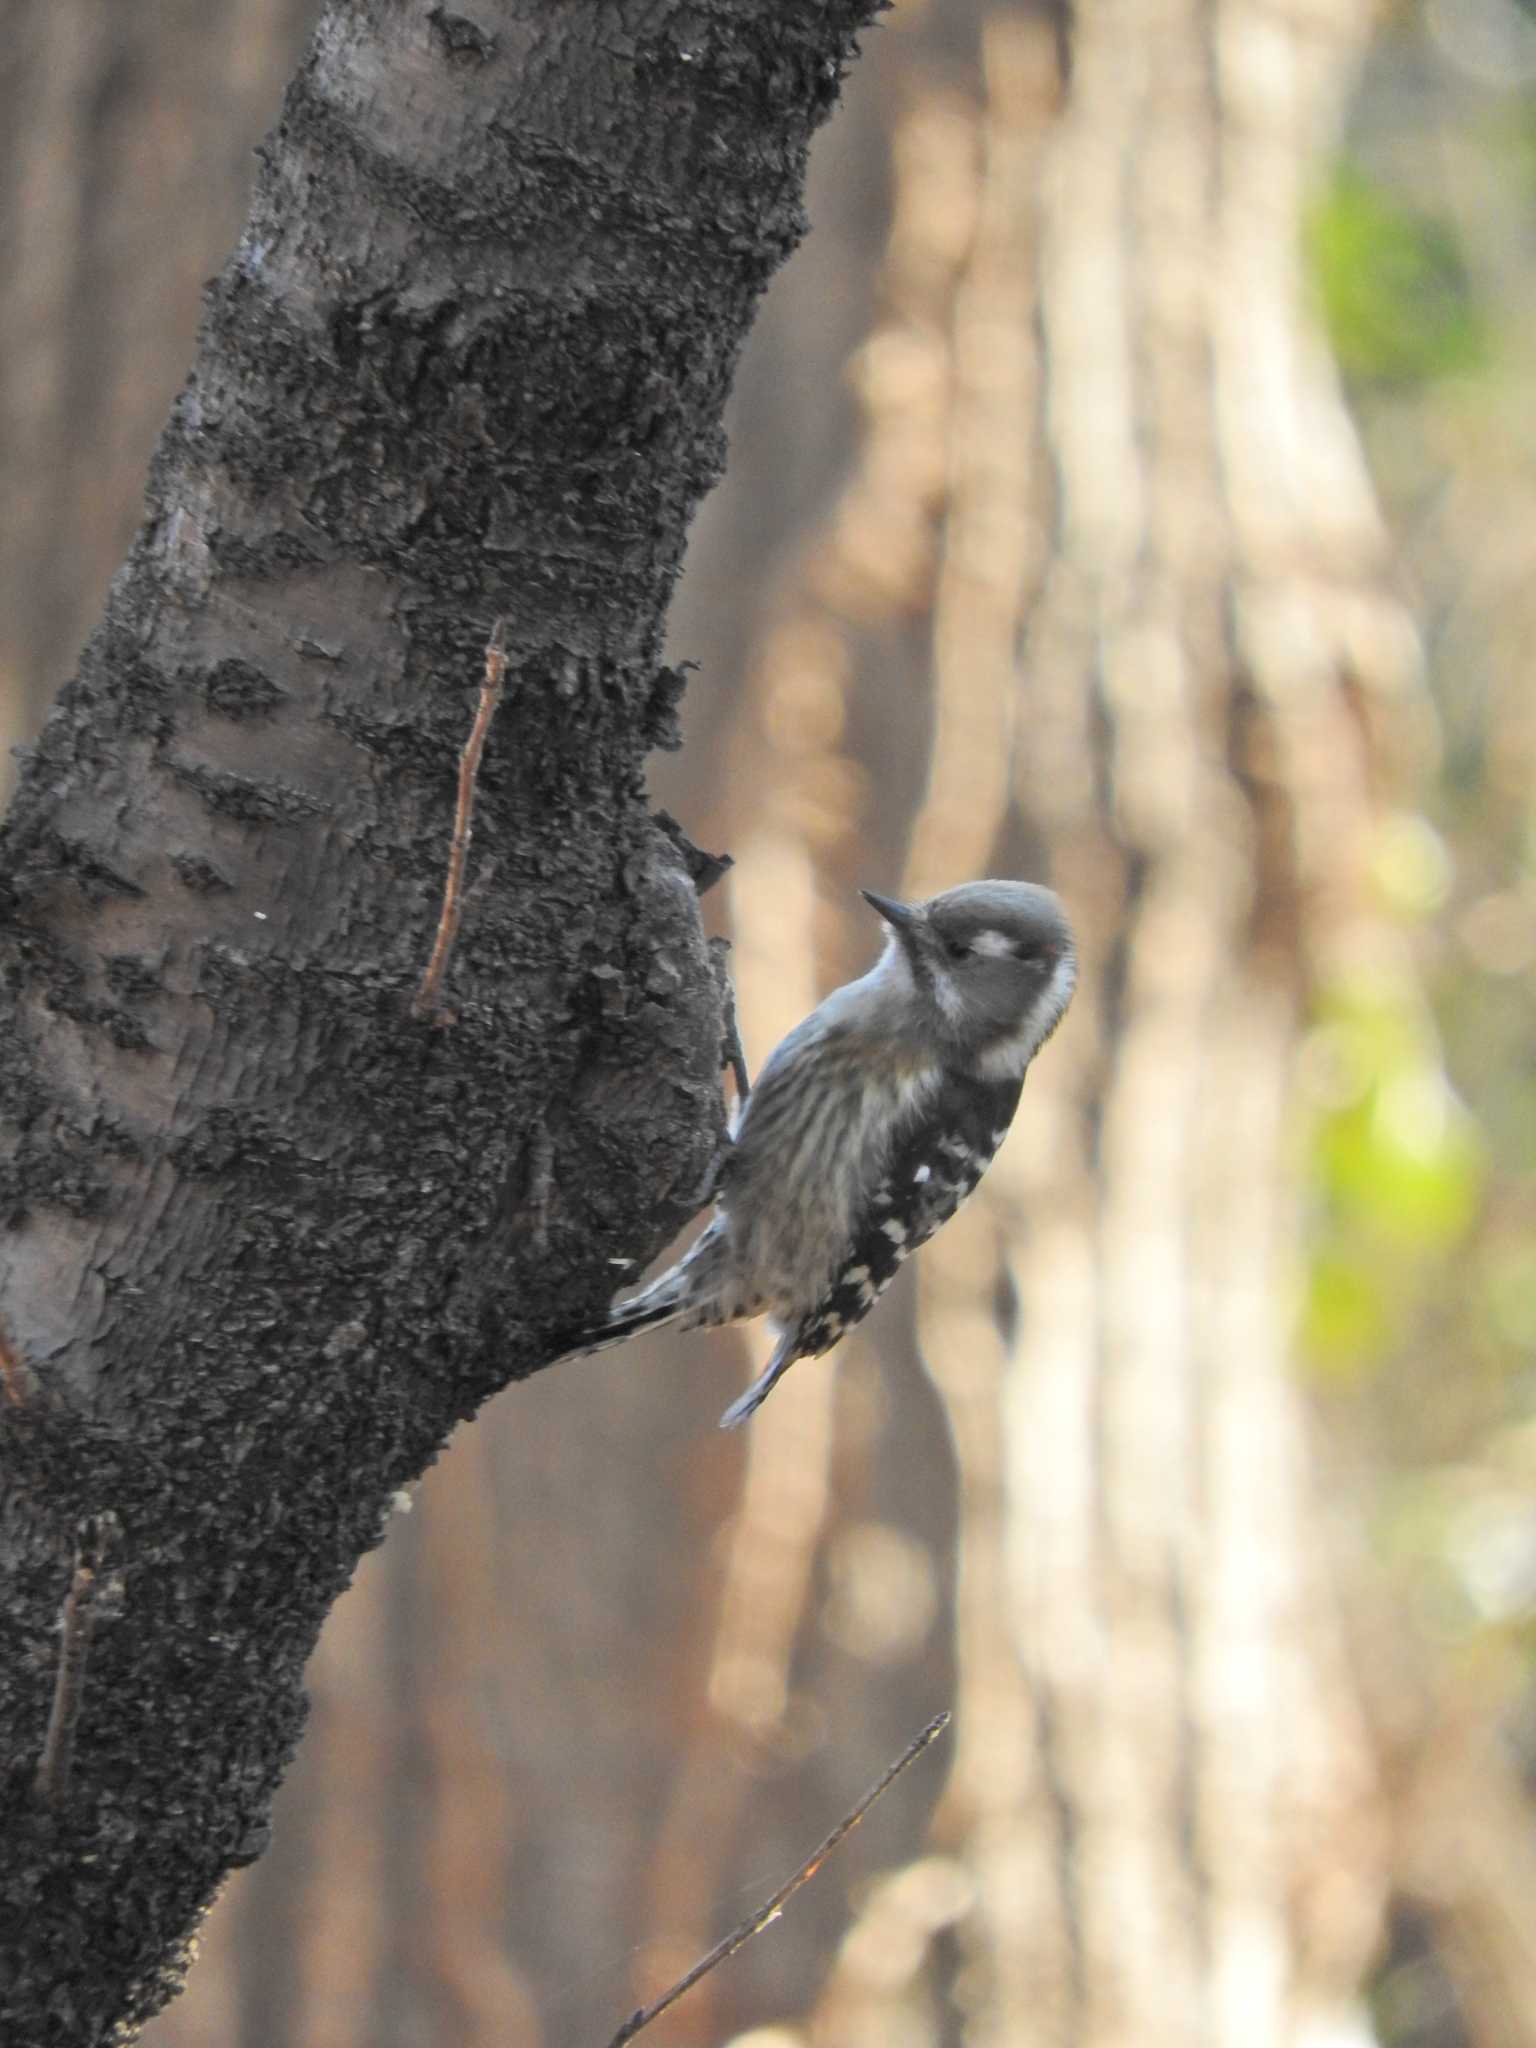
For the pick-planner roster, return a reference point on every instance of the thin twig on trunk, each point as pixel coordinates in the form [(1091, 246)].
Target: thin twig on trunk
[(426, 1003), (15, 1374), (76, 1625)]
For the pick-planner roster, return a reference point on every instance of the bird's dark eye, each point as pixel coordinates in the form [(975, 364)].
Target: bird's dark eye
[(956, 949)]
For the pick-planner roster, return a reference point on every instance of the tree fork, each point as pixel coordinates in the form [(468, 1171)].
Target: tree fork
[(267, 1236)]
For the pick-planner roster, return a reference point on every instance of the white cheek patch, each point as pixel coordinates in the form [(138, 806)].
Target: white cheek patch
[(1007, 1060), (947, 996), (994, 946)]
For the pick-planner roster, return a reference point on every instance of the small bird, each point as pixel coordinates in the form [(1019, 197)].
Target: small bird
[(869, 1125)]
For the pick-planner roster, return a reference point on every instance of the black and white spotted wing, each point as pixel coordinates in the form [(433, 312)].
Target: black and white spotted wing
[(931, 1172)]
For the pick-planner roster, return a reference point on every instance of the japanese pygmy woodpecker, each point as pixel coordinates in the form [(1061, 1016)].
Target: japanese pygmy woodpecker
[(869, 1125)]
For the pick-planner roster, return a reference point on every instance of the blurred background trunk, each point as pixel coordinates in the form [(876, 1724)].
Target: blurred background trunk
[(1047, 548), (124, 170)]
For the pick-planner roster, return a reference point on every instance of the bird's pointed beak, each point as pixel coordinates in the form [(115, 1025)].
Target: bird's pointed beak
[(901, 917)]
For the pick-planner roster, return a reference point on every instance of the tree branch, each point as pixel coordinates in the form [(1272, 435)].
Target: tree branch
[(773, 1906)]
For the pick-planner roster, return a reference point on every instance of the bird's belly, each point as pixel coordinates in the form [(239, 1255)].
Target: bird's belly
[(793, 1224)]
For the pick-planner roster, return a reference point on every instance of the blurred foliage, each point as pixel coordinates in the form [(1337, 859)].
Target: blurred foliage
[(1419, 1302), (1395, 295), (1396, 1170), (1422, 1092)]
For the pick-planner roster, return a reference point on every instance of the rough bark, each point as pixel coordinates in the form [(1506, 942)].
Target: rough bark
[(267, 1238)]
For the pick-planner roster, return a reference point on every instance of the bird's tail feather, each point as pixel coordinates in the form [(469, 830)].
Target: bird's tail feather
[(653, 1307), (785, 1352), (627, 1319)]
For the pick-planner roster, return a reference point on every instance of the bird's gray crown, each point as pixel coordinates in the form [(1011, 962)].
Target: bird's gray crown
[(1028, 917)]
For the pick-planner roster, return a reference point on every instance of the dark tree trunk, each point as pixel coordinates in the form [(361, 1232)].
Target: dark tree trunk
[(267, 1237)]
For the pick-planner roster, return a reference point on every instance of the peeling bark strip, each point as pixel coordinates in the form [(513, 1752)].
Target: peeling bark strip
[(266, 1239)]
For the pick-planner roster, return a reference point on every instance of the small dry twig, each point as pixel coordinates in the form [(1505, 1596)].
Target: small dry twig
[(15, 1374), (426, 1001), (771, 1908), (75, 1630)]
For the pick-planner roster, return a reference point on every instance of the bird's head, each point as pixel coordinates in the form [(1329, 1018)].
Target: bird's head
[(992, 964)]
